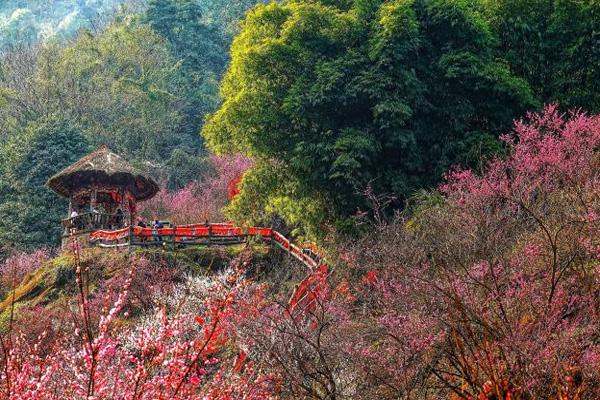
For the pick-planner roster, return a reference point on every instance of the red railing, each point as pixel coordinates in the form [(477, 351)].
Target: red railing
[(306, 292), (207, 231)]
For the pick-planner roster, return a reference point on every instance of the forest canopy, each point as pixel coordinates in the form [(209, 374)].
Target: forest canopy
[(338, 98), (346, 96)]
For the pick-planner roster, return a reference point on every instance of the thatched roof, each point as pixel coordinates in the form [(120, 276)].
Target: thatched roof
[(102, 167)]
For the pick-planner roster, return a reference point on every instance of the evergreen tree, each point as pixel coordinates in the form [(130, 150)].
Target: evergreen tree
[(339, 97), (161, 16), (201, 49), (554, 45), (30, 214)]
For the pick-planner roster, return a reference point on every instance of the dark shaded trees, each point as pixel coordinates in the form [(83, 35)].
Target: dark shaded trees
[(199, 47), (554, 45), (30, 213)]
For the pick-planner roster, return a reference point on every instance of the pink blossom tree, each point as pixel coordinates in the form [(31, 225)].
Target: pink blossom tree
[(183, 356), (202, 199), (489, 289), (16, 266)]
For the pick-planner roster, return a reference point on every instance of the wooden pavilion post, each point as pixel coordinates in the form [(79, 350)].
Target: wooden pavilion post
[(124, 208), (132, 207), (69, 224), (93, 199), (130, 237)]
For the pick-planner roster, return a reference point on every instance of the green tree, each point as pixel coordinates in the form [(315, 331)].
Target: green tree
[(30, 213), (182, 168), (199, 46), (336, 97), (160, 15), (120, 86), (227, 14), (554, 45)]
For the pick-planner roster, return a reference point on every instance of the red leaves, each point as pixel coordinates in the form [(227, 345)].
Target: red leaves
[(370, 278), (233, 187), (240, 361)]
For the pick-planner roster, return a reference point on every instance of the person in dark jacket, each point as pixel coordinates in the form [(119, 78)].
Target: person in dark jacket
[(156, 225), (120, 217), (139, 222)]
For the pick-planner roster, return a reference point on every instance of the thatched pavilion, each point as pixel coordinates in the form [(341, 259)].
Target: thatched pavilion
[(103, 190)]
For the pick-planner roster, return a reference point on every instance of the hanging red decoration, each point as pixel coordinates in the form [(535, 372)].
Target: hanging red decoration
[(117, 198), (233, 188)]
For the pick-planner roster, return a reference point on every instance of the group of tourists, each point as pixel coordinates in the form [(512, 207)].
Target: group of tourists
[(97, 217), (156, 224)]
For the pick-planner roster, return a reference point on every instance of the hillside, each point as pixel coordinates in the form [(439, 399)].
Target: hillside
[(51, 286), (300, 200)]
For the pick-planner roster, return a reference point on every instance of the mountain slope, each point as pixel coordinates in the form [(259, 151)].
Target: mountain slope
[(25, 22)]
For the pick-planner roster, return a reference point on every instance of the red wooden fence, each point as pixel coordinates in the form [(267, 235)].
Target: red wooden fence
[(305, 294)]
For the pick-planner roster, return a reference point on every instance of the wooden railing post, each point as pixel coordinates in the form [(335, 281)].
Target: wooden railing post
[(130, 237), (173, 236)]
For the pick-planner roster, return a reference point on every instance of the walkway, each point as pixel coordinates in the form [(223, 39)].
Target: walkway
[(304, 296)]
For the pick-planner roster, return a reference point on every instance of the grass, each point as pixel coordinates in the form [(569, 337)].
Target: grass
[(55, 279), (32, 284)]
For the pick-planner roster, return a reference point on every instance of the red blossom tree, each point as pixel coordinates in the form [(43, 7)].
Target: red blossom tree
[(184, 356)]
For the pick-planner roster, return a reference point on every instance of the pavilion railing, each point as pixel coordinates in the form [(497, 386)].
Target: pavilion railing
[(201, 234), (92, 221)]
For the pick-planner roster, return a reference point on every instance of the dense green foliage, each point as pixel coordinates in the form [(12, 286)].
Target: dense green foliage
[(555, 45), (122, 88), (199, 46), (125, 90), (336, 97), (30, 213)]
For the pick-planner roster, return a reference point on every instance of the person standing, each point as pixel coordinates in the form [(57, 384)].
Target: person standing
[(156, 225), (74, 221), (120, 217)]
